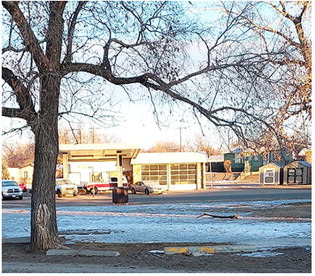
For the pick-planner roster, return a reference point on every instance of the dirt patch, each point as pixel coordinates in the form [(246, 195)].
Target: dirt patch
[(296, 210), (137, 257)]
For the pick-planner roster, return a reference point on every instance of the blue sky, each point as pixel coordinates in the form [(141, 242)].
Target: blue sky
[(138, 124)]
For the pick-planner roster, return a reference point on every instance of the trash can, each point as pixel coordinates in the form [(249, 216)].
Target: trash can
[(120, 195)]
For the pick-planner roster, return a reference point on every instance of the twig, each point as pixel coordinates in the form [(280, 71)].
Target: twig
[(217, 216)]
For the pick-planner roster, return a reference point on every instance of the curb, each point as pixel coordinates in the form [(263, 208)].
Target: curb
[(85, 253), (209, 249)]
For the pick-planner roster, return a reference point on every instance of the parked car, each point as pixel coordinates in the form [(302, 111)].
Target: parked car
[(65, 187), (23, 187), (105, 185), (10, 189), (147, 188), (29, 187)]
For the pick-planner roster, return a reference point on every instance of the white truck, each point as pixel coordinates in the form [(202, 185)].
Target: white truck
[(65, 187)]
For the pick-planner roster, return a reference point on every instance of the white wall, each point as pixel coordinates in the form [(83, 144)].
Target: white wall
[(14, 173)]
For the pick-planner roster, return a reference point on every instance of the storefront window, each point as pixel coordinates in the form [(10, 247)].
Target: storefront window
[(183, 174), (156, 173), (180, 173)]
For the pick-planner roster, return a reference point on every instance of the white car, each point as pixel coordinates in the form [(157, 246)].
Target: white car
[(147, 188), (65, 187), (10, 189)]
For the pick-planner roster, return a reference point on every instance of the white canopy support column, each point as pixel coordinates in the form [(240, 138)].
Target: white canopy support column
[(65, 165)]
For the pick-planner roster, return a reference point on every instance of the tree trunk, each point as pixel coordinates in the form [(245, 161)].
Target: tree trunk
[(44, 231)]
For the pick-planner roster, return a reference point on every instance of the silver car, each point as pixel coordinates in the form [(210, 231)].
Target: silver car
[(10, 189), (147, 188)]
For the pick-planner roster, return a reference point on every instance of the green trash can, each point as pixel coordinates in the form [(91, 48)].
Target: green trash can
[(120, 195)]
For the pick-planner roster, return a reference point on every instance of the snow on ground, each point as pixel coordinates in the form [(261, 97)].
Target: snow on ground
[(167, 223)]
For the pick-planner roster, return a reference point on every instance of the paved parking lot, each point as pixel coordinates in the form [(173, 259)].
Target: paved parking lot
[(215, 194)]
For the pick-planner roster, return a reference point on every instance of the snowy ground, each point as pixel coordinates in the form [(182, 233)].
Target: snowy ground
[(169, 223)]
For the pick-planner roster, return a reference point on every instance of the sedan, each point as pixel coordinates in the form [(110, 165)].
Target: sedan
[(140, 186)]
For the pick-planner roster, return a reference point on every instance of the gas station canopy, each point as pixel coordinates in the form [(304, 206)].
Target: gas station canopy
[(98, 152)]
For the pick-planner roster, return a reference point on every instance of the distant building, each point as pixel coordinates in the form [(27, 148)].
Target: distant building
[(24, 174), (271, 173), (216, 163), (86, 163), (250, 161), (176, 170), (298, 172)]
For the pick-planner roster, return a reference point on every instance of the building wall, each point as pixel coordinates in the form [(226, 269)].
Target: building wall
[(302, 174), (26, 174), (251, 161), (184, 176), (216, 167), (136, 173), (14, 174), (237, 161), (22, 174), (277, 174)]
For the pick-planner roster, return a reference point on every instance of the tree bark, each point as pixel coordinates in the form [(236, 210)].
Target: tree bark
[(44, 231)]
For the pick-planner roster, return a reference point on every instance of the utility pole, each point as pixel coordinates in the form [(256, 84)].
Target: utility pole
[(93, 133), (180, 138)]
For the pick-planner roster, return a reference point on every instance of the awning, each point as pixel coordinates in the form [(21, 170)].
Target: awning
[(170, 158), (98, 152)]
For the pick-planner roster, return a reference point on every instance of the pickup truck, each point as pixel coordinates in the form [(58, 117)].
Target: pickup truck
[(65, 187), (107, 185)]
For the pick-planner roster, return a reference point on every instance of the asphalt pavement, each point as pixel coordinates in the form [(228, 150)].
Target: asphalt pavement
[(216, 193)]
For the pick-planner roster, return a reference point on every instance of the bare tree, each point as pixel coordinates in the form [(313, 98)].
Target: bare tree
[(18, 155), (59, 57), (165, 146), (5, 172), (285, 38), (201, 144), (85, 135)]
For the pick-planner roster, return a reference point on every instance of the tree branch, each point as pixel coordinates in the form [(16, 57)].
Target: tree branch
[(71, 30), (23, 96), (13, 112), (30, 41)]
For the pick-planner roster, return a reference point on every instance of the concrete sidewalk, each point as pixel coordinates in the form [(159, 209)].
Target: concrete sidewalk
[(231, 184), (188, 250)]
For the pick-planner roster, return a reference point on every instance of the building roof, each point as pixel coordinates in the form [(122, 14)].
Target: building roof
[(276, 164), (303, 163), (216, 158), (99, 152), (170, 158)]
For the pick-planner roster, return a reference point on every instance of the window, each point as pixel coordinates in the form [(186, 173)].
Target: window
[(269, 176), (239, 158), (156, 173), (299, 171), (183, 174)]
